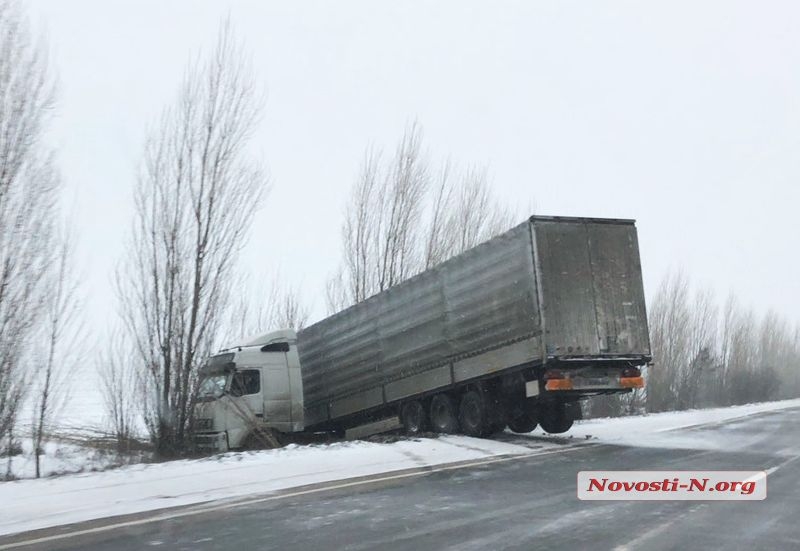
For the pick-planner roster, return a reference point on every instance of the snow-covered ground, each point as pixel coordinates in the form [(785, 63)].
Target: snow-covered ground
[(58, 458), (31, 504)]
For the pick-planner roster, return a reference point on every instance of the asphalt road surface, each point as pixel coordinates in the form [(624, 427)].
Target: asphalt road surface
[(527, 503)]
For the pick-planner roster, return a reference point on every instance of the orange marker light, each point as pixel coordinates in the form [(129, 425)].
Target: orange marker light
[(558, 384), (631, 382)]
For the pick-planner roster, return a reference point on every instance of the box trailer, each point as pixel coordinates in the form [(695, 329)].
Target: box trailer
[(512, 332)]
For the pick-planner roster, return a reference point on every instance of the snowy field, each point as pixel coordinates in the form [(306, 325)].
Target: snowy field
[(31, 504)]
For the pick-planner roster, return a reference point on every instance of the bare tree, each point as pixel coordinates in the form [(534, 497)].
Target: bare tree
[(404, 217), (195, 199), (791, 367), (381, 228), (696, 376), (774, 353), (755, 355), (740, 357), (704, 357), (360, 233), (477, 216), (438, 237), (261, 308), (29, 188), (119, 383), (464, 215), (401, 209), (62, 332), (669, 323), (337, 297), (683, 338), (381, 231)]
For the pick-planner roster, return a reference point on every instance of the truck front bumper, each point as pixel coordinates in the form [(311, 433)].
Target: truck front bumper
[(211, 441)]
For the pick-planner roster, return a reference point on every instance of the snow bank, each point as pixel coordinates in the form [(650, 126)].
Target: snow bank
[(662, 430), (32, 504)]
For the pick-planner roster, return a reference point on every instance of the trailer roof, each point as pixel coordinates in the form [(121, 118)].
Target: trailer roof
[(537, 218)]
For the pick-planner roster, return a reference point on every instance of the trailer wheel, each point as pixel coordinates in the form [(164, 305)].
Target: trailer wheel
[(413, 417), (556, 418), (473, 415), (443, 414), (523, 423), (523, 417)]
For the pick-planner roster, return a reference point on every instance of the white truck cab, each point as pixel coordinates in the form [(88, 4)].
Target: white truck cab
[(248, 389)]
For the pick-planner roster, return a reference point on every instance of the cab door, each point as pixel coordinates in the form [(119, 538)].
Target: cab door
[(277, 391)]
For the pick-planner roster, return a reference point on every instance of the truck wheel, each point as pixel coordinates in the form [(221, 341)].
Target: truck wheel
[(413, 417), (523, 423), (473, 415), (556, 418), (443, 414)]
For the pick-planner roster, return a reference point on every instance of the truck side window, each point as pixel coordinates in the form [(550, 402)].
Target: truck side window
[(246, 382)]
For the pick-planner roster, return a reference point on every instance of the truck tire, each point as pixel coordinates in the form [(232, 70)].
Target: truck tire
[(443, 414), (473, 415), (523, 415), (413, 417), (523, 423), (556, 418)]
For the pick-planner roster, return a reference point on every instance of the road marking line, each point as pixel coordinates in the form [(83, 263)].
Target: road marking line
[(656, 530), (779, 465), (199, 509)]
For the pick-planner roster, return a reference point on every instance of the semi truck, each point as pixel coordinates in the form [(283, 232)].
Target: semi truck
[(512, 333)]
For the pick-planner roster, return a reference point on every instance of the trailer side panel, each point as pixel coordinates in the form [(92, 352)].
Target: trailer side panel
[(407, 339)]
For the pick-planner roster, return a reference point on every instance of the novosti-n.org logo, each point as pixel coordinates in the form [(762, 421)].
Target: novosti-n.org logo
[(672, 485)]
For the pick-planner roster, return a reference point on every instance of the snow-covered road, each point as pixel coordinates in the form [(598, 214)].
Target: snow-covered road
[(32, 504)]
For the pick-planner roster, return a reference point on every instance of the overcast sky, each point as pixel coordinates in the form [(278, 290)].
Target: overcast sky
[(683, 115)]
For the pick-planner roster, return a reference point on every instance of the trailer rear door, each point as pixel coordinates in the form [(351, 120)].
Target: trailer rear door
[(591, 287)]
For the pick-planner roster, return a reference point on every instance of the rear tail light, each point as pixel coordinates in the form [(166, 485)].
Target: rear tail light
[(631, 382), (558, 384), (556, 380)]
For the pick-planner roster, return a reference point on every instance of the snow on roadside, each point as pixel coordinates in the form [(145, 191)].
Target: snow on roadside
[(58, 458), (32, 504), (662, 430)]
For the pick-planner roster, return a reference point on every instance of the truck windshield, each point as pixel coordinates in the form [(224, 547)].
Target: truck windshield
[(213, 386)]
